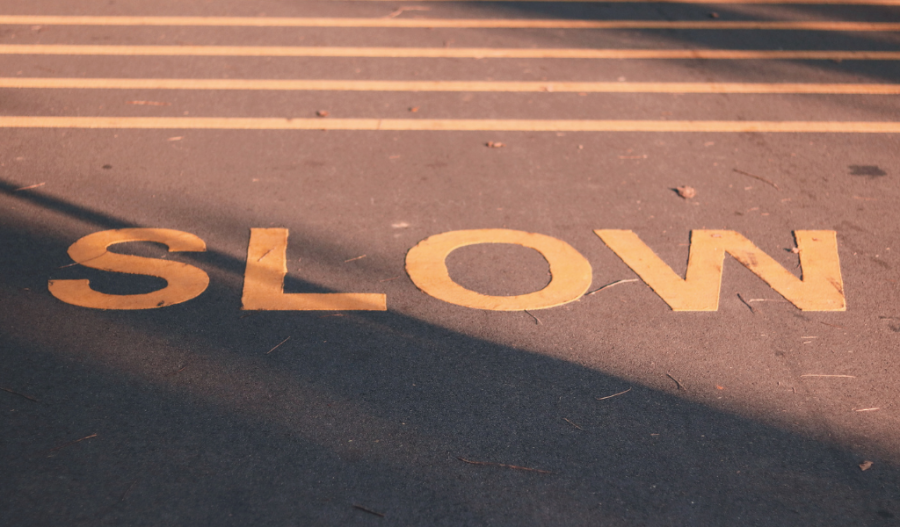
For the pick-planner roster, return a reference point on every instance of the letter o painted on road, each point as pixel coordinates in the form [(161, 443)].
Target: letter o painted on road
[(570, 271)]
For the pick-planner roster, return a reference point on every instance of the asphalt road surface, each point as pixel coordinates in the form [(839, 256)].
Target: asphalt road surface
[(360, 129)]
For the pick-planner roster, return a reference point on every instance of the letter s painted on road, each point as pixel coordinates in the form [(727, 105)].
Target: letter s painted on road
[(184, 281)]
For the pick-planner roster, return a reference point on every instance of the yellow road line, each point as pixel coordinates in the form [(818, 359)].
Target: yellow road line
[(475, 53), (450, 86), (514, 125), (700, 2), (446, 23)]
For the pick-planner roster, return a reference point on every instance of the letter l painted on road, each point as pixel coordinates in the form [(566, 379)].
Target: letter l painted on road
[(264, 281)]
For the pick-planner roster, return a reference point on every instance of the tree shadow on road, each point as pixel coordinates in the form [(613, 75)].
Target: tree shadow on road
[(360, 415)]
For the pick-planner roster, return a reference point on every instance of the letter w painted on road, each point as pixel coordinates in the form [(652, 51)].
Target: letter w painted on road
[(821, 288)]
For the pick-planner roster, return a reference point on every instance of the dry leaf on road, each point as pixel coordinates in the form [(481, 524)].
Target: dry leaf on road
[(686, 192)]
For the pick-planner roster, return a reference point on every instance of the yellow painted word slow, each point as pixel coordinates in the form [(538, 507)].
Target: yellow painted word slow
[(820, 288)]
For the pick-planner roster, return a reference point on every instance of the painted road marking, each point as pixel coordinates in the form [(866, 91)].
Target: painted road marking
[(183, 281), (728, 25), (264, 281), (451, 86), (822, 288), (709, 2), (473, 53), (450, 125), (570, 271)]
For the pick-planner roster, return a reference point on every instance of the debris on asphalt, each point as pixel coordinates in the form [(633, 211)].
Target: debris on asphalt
[(397, 12), (125, 494), (713, 14), (607, 286), (871, 171), (176, 138), (149, 103), (64, 445), (322, 113), (29, 187), (686, 192), (492, 144), (278, 345), (414, 109), (370, 511), (571, 423), (677, 382), (746, 303), (867, 409), (613, 395), (514, 467), (354, 259), (760, 178), (719, 387), (826, 375), (7, 390), (766, 300), (536, 321), (865, 465)]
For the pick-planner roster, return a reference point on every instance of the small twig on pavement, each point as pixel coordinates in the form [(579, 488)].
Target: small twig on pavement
[(752, 309), (278, 345), (81, 261), (400, 10), (607, 286), (573, 424), (370, 511), (60, 447), (20, 394), (353, 259), (680, 386), (125, 494), (29, 187), (613, 395), (760, 178), (514, 467), (536, 321), (825, 375)]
